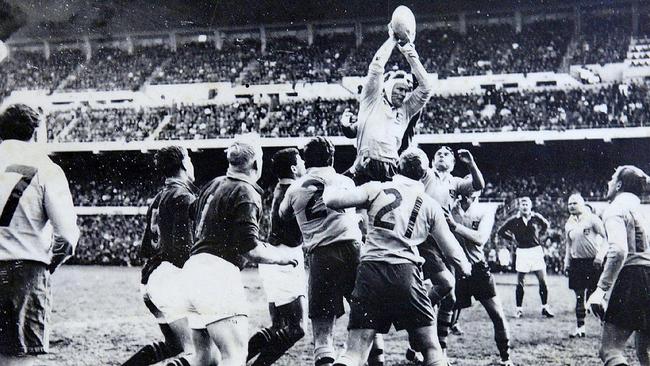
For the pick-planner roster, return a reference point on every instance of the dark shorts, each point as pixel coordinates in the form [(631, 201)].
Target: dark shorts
[(583, 274), (25, 308), (434, 261), (629, 303), (390, 294), (375, 170), (480, 285), (332, 270)]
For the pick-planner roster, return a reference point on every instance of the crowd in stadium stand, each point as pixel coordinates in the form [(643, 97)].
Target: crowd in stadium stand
[(603, 40), (492, 48), (112, 124), (616, 105)]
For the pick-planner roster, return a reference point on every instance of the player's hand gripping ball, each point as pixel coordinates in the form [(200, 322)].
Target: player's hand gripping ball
[(402, 24)]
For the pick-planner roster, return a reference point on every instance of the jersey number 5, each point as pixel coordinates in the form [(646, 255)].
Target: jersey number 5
[(379, 221), (24, 175)]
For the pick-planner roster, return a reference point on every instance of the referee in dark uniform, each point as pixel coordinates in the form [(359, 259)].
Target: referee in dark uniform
[(525, 229)]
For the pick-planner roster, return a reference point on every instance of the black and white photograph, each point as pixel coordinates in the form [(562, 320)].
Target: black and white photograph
[(325, 183)]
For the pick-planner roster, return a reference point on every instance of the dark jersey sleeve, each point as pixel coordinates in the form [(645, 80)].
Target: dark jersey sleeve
[(246, 228)]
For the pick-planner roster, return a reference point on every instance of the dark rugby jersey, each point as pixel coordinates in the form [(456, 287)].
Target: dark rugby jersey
[(227, 217), (526, 234), (168, 236), (285, 232)]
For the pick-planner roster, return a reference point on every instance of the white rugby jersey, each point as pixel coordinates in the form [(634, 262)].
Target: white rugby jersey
[(380, 127), (628, 228), (585, 243), (400, 217), (319, 224), (33, 192), (444, 187)]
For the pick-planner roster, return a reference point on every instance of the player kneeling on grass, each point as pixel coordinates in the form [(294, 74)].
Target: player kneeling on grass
[(166, 245), (627, 269), (227, 213), (285, 286), (472, 222), (389, 288)]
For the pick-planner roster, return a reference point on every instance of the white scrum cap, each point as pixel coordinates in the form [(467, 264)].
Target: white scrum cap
[(403, 24)]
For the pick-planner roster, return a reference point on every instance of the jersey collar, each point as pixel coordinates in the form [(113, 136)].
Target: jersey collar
[(244, 178), (410, 183)]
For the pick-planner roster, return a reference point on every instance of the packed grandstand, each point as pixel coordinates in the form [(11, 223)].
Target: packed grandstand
[(562, 76)]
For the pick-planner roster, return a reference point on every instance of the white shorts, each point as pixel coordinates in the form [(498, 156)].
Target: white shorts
[(284, 284), (165, 290), (530, 259), (214, 290)]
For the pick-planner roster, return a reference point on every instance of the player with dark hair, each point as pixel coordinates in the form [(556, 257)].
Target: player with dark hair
[(472, 222), (389, 289), (626, 271), (226, 213), (525, 229), (33, 192), (389, 106), (285, 286), (331, 239), (166, 246), (585, 251)]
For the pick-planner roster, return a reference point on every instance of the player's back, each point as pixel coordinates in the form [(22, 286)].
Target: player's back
[(221, 205), (168, 236), (30, 185), (400, 216), (627, 207), (319, 224)]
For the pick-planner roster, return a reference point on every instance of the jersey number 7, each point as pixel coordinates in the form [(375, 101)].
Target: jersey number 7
[(18, 178)]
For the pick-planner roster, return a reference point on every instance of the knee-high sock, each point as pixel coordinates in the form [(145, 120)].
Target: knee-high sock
[(152, 353), (581, 312), (519, 293), (272, 343), (445, 318), (543, 293)]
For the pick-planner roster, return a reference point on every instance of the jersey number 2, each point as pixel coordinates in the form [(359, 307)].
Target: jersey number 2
[(26, 173), (379, 222)]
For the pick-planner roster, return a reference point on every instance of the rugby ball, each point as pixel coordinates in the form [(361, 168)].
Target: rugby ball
[(403, 24)]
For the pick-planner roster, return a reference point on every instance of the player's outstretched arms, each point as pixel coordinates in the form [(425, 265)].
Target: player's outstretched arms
[(265, 253), (338, 198)]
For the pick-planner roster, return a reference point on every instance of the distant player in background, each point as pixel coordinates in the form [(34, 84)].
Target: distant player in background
[(285, 286), (227, 213), (166, 246), (525, 229), (387, 110), (443, 187), (585, 251), (389, 289), (472, 222), (331, 238), (627, 270), (34, 193)]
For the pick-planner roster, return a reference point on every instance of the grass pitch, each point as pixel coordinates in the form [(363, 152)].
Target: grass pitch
[(99, 319)]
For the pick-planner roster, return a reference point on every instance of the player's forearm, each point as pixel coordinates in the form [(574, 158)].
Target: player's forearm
[(478, 182), (474, 237), (615, 259), (381, 57)]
